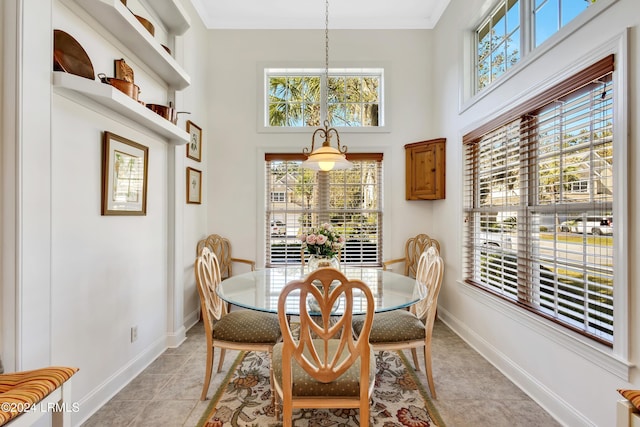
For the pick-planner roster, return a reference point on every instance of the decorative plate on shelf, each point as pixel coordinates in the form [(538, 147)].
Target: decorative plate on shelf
[(70, 57)]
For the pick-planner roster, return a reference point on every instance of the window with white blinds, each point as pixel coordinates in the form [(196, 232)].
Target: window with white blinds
[(349, 200), (538, 202)]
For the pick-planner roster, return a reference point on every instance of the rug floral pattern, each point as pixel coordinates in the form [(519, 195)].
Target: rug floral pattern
[(398, 399)]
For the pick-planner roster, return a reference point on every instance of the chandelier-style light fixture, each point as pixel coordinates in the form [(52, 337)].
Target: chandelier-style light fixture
[(326, 157)]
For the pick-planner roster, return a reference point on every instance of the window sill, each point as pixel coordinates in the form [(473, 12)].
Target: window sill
[(599, 355), (310, 130)]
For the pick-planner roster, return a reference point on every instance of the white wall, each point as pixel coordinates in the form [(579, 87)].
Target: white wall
[(573, 382), (236, 168), (196, 99), (73, 281)]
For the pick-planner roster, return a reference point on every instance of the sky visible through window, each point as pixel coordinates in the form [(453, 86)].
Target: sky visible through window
[(551, 16)]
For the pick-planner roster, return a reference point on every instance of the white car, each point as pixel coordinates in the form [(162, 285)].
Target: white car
[(502, 240), (278, 228), (593, 225)]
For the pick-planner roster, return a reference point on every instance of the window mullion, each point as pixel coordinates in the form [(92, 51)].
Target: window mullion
[(526, 21)]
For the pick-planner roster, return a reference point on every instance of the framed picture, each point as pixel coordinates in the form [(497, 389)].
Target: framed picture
[(194, 147), (124, 176), (194, 186)]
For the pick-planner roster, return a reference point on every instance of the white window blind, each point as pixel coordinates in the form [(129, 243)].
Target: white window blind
[(539, 225), (350, 200)]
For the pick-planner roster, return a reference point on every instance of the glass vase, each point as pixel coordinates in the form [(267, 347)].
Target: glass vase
[(322, 261)]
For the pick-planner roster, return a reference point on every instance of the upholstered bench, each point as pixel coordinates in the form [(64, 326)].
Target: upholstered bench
[(28, 395), (628, 409)]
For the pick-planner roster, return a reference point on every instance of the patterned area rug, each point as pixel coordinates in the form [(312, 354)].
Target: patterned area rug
[(398, 398)]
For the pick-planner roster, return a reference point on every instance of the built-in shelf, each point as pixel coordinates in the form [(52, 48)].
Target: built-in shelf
[(119, 20), (79, 88), (172, 14)]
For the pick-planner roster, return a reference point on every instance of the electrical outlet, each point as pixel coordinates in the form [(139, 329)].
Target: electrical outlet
[(134, 333)]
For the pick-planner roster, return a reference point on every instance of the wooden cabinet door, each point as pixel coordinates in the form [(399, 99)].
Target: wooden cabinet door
[(425, 170)]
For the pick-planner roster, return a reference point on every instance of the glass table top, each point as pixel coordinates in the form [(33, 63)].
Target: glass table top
[(260, 289)]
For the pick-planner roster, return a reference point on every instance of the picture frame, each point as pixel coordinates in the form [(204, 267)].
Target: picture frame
[(194, 186), (124, 176), (194, 147)]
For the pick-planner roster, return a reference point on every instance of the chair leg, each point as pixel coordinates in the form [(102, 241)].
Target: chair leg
[(222, 353), (273, 390), (207, 374), (428, 370), (287, 414), (414, 353), (364, 415)]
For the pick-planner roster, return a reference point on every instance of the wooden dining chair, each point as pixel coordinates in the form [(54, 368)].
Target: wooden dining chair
[(401, 329), (324, 366), (412, 249), (221, 246), (249, 330)]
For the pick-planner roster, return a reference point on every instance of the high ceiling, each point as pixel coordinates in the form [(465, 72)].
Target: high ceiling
[(310, 14)]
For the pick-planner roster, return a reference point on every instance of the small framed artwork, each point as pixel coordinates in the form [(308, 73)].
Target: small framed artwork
[(194, 147), (124, 176), (194, 186)]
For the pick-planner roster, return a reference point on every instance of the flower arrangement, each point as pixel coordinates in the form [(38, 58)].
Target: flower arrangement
[(322, 240)]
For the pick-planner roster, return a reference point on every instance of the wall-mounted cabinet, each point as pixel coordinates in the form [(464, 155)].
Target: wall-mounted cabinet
[(85, 90), (425, 169), (124, 26)]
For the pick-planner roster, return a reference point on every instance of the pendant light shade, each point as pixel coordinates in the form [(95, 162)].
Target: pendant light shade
[(326, 157)]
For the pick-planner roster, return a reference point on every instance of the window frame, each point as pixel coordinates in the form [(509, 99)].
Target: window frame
[(526, 27), (262, 73), (267, 213), (470, 96), (615, 359)]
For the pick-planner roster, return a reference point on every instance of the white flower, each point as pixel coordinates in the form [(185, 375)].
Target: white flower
[(322, 240)]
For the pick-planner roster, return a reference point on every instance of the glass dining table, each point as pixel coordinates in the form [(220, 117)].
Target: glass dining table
[(260, 289)]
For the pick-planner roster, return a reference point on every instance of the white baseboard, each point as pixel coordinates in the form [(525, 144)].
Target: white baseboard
[(564, 413), (191, 319), (90, 404), (175, 339)]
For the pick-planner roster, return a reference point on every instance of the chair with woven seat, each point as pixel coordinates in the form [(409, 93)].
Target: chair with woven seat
[(324, 366), (44, 390), (412, 250), (237, 330), (402, 329), (221, 246)]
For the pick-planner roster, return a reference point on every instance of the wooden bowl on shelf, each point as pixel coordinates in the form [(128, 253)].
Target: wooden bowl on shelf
[(146, 24)]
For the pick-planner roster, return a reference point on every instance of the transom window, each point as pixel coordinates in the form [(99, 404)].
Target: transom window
[(294, 97), (350, 200), (501, 40), (538, 204)]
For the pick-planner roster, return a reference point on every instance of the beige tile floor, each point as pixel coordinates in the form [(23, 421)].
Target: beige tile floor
[(471, 392)]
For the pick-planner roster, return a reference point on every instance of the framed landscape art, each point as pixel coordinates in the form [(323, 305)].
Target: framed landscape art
[(194, 147), (124, 176)]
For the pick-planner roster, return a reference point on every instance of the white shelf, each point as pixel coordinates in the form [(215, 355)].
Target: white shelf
[(172, 15), (80, 88), (119, 20)]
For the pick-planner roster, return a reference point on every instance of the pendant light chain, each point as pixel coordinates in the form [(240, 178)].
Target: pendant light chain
[(326, 60), (325, 157)]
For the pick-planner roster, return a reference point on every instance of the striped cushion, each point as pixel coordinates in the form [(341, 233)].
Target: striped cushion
[(26, 388), (632, 396)]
